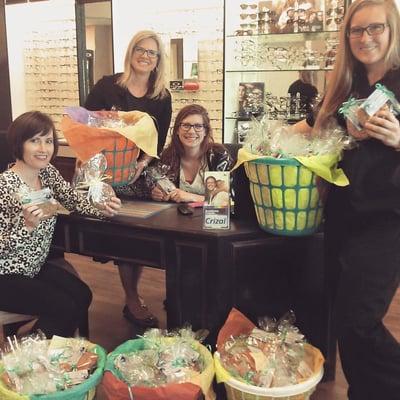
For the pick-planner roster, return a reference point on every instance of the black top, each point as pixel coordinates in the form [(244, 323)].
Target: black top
[(372, 167), (307, 92), (107, 94)]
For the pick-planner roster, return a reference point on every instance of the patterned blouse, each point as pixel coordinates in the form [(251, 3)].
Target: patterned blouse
[(23, 252)]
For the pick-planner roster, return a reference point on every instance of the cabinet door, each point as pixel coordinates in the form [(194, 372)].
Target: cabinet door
[(268, 47)]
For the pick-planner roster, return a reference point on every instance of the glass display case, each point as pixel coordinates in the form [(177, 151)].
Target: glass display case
[(277, 59)]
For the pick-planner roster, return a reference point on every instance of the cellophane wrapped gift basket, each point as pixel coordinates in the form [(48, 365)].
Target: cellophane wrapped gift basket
[(34, 368), (272, 362), (288, 173), (91, 176), (118, 135), (159, 366)]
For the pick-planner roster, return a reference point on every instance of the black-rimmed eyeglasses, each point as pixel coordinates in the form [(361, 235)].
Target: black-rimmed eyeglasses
[(186, 127), (150, 53), (371, 29)]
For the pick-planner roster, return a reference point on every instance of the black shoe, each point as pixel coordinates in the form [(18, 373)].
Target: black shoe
[(148, 322)]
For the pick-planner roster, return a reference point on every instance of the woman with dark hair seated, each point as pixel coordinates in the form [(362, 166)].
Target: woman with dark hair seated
[(191, 152), (29, 283)]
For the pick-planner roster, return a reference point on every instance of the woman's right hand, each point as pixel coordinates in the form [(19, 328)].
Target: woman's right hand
[(112, 207), (32, 216), (158, 195)]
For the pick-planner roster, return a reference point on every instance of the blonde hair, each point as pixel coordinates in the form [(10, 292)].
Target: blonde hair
[(341, 80), (156, 84)]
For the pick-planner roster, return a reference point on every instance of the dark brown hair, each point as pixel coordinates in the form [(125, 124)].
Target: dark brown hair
[(174, 151), (26, 126)]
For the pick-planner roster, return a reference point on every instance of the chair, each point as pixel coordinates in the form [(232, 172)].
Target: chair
[(7, 318)]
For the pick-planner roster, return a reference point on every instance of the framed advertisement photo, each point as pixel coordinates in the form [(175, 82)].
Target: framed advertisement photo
[(216, 209)]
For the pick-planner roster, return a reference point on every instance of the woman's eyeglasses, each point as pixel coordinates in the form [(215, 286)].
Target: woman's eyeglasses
[(371, 29), (186, 127), (150, 53)]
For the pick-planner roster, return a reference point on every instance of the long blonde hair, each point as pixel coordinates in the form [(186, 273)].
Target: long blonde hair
[(156, 84), (341, 80)]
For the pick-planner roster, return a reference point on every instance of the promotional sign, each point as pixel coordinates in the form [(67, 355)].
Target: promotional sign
[(216, 210)]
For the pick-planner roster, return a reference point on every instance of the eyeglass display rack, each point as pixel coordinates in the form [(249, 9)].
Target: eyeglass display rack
[(268, 46)]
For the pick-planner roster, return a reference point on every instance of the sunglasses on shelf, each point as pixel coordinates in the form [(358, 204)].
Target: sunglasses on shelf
[(338, 20), (242, 32), (246, 6), (251, 16)]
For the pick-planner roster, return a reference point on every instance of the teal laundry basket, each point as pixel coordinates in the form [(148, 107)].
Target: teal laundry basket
[(285, 195), (84, 391)]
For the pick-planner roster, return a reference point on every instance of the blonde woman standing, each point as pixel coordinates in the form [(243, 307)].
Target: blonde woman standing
[(362, 230), (140, 87)]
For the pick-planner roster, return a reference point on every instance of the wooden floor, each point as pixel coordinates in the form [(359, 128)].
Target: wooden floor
[(108, 327)]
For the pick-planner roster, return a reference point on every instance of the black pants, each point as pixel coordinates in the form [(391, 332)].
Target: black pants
[(59, 298), (368, 255)]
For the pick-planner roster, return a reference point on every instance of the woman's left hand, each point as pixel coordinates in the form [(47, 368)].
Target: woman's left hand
[(384, 126), (112, 207)]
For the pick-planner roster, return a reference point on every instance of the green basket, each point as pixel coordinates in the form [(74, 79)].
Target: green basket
[(84, 391), (121, 161), (203, 380), (285, 196)]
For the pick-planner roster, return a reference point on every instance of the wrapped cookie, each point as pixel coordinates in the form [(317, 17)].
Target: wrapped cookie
[(156, 175), (42, 198), (91, 176), (358, 112)]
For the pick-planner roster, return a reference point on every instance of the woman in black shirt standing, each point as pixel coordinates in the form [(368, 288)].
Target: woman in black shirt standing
[(362, 230), (140, 87)]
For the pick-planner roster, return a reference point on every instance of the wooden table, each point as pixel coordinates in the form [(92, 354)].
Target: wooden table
[(210, 271)]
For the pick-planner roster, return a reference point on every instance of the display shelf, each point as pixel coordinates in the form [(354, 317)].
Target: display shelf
[(276, 70), (260, 68), (285, 36)]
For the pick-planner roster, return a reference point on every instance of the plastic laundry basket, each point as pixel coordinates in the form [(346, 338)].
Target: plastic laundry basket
[(121, 161), (113, 386), (236, 390), (84, 391), (285, 196)]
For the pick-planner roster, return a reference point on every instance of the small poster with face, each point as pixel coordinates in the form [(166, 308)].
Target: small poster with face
[(216, 210)]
